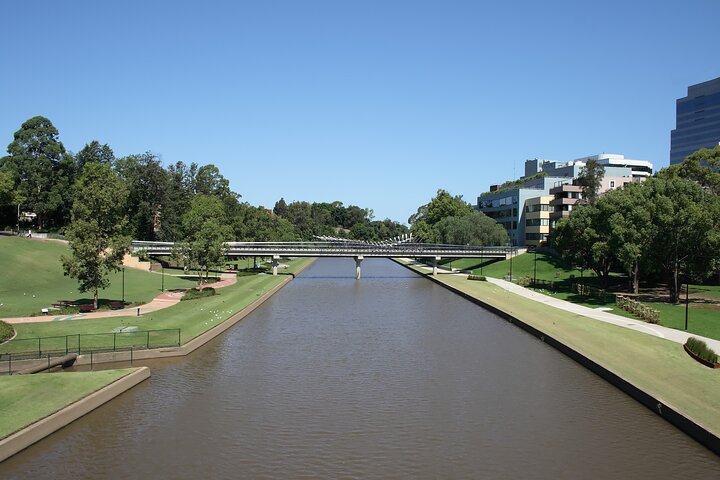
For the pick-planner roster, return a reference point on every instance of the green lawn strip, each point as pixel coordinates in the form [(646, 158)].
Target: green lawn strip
[(656, 366), (25, 399), (33, 279), (192, 317), (703, 320)]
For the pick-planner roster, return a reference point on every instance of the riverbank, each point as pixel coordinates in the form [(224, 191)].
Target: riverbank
[(198, 320), (34, 406), (40, 405), (654, 371)]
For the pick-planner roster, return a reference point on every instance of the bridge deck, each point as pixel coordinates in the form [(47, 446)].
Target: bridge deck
[(341, 249)]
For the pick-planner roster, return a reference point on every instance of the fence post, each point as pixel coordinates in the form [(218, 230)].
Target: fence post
[(147, 342), (78, 335), (66, 344), (91, 359), (178, 337), (114, 343)]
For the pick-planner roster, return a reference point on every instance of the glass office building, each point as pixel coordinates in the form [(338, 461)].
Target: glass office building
[(697, 121)]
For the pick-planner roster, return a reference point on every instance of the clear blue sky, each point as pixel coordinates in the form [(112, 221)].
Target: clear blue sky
[(373, 103)]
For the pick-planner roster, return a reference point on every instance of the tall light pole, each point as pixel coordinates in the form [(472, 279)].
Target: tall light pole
[(687, 300)]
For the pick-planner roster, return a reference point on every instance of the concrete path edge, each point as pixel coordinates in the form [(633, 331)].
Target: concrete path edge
[(42, 428)]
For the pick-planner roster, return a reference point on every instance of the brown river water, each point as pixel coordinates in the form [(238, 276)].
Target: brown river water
[(391, 376)]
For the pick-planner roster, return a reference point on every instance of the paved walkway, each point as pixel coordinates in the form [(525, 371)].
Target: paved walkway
[(164, 300), (671, 334)]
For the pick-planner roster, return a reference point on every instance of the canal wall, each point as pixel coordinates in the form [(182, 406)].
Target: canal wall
[(670, 414), (37, 431)]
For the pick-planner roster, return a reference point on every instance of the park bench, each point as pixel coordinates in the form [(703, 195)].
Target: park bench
[(117, 305), (86, 308)]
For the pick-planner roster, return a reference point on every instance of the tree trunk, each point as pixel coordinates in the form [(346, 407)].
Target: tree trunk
[(95, 298), (636, 279), (674, 287)]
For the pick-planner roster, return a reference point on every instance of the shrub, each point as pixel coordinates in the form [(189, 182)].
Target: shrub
[(6, 331), (701, 349), (477, 277), (194, 293)]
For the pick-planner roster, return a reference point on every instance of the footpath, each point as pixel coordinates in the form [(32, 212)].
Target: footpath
[(667, 333), (164, 300)]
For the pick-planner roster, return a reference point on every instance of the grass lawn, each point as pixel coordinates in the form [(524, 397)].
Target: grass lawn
[(703, 318), (25, 399), (192, 317), (33, 279), (657, 366)]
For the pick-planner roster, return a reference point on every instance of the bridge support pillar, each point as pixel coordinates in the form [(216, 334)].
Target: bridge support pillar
[(358, 261), (275, 263), (434, 263)]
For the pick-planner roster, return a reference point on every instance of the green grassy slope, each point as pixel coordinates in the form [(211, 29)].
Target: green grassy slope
[(25, 399), (32, 279)]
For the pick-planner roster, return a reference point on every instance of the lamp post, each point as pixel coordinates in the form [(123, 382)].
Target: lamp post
[(687, 300), (123, 286), (162, 276), (511, 258)]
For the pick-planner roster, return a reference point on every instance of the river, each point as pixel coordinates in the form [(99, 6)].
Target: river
[(390, 376)]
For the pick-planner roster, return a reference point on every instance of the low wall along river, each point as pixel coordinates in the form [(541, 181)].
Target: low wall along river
[(390, 376)]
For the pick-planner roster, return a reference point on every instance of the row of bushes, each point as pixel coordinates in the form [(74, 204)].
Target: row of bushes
[(477, 277), (701, 349), (6, 331), (194, 293), (646, 313)]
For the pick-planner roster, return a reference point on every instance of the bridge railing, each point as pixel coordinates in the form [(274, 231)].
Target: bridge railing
[(348, 248)]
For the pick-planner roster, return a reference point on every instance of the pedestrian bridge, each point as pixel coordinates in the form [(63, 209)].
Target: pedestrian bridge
[(341, 248)]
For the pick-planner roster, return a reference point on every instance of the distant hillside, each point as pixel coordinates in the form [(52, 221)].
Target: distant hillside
[(31, 278)]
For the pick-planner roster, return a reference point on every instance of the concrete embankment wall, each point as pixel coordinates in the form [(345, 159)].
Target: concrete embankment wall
[(676, 418), (37, 431)]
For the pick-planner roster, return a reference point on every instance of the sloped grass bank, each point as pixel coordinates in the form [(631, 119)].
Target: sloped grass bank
[(192, 318), (33, 279), (25, 399)]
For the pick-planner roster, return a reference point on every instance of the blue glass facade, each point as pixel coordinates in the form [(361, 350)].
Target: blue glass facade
[(697, 121)]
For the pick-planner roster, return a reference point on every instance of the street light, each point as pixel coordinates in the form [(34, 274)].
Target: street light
[(687, 300)]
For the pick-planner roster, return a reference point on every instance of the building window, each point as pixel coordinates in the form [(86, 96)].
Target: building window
[(612, 183)]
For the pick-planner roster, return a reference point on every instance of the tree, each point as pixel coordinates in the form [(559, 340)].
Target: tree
[(687, 219), (206, 231), (94, 152), (97, 244), (582, 241), (6, 189), (41, 169), (146, 180), (280, 208), (630, 228), (590, 178), (474, 228), (702, 167), (423, 222)]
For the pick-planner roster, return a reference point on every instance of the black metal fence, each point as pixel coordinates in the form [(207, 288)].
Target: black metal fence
[(88, 343)]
